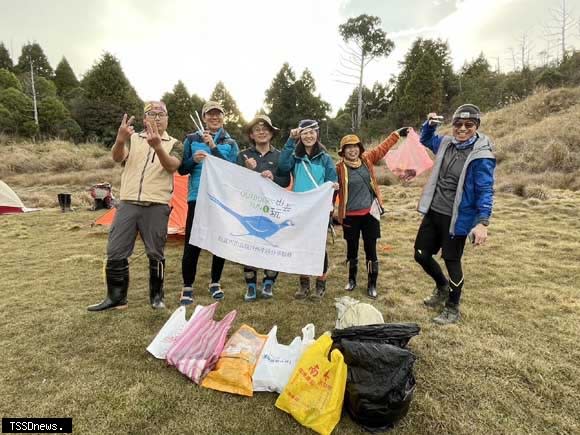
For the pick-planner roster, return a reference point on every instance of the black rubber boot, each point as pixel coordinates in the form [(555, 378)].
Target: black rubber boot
[(60, 197), (373, 275), (117, 272), (352, 271), (156, 276)]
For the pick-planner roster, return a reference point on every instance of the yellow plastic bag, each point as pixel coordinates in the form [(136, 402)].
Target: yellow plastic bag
[(315, 392), (233, 371)]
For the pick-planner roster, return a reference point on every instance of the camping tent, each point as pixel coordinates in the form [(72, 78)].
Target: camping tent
[(9, 201), (176, 224)]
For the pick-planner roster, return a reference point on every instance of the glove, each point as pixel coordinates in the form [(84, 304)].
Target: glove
[(403, 131)]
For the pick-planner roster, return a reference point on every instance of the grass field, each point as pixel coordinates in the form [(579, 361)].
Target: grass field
[(511, 366)]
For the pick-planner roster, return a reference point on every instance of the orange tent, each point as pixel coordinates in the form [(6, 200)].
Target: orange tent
[(178, 204)]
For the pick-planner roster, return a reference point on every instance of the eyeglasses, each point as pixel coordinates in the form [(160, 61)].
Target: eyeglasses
[(467, 124), (153, 115)]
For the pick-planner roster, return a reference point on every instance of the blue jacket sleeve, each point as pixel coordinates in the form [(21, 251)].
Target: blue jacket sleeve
[(429, 138), (234, 151), (286, 161), (187, 163), (329, 170), (484, 192)]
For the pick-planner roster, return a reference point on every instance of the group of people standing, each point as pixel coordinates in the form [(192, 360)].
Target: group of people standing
[(456, 202)]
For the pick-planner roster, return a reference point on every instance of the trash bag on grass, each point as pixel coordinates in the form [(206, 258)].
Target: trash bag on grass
[(315, 392), (196, 351), (277, 361), (233, 371), (380, 383)]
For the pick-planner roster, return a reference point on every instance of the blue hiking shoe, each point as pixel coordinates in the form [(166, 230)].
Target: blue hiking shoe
[(186, 296), (267, 289), (216, 291), (250, 295)]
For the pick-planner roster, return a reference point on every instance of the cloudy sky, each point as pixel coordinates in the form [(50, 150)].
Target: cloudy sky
[(245, 43)]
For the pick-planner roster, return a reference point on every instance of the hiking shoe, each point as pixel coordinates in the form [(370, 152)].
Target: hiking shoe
[(438, 298), (250, 295), (186, 296), (304, 290), (319, 291), (449, 315), (266, 292), (216, 291)]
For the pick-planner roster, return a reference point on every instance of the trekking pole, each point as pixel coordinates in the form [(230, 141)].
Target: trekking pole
[(195, 123)]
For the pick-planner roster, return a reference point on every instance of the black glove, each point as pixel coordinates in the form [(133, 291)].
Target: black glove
[(403, 131)]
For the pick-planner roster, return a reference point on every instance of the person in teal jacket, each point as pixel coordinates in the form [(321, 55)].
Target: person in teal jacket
[(217, 142), (310, 165)]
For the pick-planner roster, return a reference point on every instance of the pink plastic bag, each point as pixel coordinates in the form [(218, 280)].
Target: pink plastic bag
[(410, 159), (198, 348)]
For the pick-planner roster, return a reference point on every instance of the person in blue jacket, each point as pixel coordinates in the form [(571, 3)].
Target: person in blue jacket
[(310, 165), (456, 203), (217, 142)]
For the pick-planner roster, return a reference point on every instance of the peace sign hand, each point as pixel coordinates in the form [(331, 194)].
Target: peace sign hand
[(126, 129), (153, 136)]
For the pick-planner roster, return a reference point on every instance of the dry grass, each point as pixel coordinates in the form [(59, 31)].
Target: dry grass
[(510, 367), (38, 172)]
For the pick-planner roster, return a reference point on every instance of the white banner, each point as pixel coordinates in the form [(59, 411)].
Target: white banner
[(248, 219)]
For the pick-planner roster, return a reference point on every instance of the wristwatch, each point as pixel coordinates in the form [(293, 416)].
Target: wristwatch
[(484, 222)]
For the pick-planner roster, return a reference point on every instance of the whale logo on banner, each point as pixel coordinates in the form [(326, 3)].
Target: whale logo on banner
[(248, 219)]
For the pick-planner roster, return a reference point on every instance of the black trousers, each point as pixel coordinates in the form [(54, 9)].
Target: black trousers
[(191, 255), (369, 227), (433, 235)]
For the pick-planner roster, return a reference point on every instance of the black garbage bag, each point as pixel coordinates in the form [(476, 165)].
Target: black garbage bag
[(397, 334), (380, 383)]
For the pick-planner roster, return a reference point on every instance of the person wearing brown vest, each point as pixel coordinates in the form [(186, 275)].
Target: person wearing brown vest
[(150, 158)]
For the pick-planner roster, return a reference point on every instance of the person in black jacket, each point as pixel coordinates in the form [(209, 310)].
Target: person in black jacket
[(261, 157)]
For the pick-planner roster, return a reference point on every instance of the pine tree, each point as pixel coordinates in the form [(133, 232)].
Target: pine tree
[(106, 82), (424, 91), (280, 100), (33, 52), (64, 78), (233, 120), (370, 42), (179, 107), (20, 107), (9, 80), (309, 105), (5, 59)]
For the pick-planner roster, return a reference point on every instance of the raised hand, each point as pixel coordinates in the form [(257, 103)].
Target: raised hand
[(126, 129), (295, 133), (250, 163), (208, 139), (153, 136)]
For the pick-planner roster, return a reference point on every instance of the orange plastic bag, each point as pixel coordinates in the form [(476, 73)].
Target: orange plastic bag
[(233, 371), (410, 159), (315, 393)]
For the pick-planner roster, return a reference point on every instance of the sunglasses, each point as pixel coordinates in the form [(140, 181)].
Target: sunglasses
[(467, 124)]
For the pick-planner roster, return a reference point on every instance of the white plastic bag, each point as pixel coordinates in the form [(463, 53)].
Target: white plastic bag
[(170, 331), (277, 361), (351, 312)]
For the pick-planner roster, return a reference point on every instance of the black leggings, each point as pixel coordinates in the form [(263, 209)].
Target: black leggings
[(370, 247), (429, 265), (191, 255)]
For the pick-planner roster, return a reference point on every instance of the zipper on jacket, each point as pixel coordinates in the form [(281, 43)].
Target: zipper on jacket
[(143, 174)]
